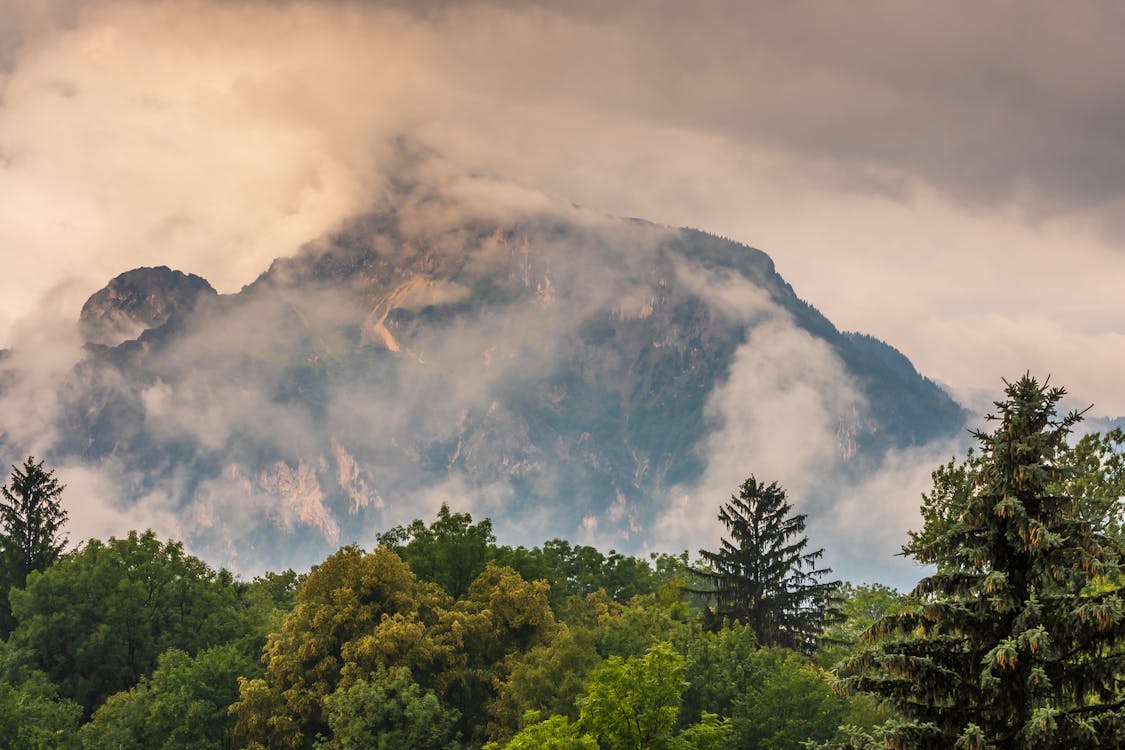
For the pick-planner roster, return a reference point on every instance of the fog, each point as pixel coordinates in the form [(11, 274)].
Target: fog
[(947, 179)]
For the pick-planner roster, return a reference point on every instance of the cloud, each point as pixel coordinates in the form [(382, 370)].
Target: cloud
[(789, 412), (214, 137), (947, 178), (782, 415)]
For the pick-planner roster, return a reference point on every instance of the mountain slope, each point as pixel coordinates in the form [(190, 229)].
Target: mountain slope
[(549, 367)]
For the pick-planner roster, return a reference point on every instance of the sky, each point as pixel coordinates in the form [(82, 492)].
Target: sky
[(947, 177)]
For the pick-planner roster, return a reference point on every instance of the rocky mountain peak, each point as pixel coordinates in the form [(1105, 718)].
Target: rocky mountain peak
[(138, 300)]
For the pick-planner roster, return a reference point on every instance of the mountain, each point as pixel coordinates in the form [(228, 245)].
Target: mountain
[(552, 368)]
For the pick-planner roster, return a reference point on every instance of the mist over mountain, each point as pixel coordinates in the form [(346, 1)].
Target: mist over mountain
[(566, 373)]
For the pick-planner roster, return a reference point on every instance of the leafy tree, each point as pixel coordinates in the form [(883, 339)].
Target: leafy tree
[(547, 680), (97, 619), (860, 607), (633, 628), (358, 612), (33, 717), (1096, 466), (775, 698), (388, 711), (450, 552), (31, 520), (763, 576), (484, 635), (720, 667), (788, 703), (1015, 640), (184, 704), (555, 733), (279, 588), (711, 733), (632, 704), (353, 605)]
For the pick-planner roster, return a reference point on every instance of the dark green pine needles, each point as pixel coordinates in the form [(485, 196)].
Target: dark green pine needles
[(762, 576), (1016, 640)]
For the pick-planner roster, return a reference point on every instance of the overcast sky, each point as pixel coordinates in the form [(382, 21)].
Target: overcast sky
[(946, 176), (949, 177)]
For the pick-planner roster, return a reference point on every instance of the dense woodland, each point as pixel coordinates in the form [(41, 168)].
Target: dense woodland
[(439, 637)]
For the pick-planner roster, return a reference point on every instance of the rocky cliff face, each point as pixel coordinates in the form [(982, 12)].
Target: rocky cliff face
[(556, 370), (138, 300)]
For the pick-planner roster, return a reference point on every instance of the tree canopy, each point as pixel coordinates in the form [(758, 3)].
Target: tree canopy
[(1015, 642), (97, 620), (133, 643), (762, 575), (31, 520)]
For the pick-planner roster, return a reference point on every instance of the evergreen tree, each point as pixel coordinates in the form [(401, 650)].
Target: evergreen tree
[(1016, 640), (31, 519), (763, 576)]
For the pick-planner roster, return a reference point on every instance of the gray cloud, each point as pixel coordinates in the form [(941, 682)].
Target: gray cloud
[(919, 171), (1004, 103)]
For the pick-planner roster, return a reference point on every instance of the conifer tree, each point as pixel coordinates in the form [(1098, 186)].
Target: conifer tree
[(31, 519), (1015, 642), (762, 576)]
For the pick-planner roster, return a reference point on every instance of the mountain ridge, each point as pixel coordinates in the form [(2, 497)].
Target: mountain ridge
[(557, 369)]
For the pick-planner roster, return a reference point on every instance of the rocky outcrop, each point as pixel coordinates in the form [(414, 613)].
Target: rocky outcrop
[(138, 300), (556, 372)]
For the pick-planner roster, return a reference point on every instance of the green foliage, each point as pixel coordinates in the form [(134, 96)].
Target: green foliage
[(788, 702), (775, 698), (33, 717), (450, 552), (484, 635), (97, 619), (762, 576), (575, 571), (547, 680), (280, 589), (184, 704), (1096, 466), (358, 612), (556, 733), (633, 703), (388, 711), (1015, 641), (629, 630), (719, 667), (711, 733), (859, 608), (31, 519), (363, 653), (366, 603)]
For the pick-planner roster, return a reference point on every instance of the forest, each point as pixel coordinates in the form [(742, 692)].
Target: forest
[(439, 637)]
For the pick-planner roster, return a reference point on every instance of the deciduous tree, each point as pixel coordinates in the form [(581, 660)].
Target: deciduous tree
[(97, 619), (450, 552)]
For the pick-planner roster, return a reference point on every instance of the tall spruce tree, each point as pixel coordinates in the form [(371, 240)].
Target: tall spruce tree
[(31, 519), (762, 576), (1016, 641)]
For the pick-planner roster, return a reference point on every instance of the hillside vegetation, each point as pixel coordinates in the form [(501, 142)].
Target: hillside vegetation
[(439, 637)]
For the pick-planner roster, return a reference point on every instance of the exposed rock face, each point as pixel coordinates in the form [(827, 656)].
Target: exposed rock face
[(138, 300), (555, 371)]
